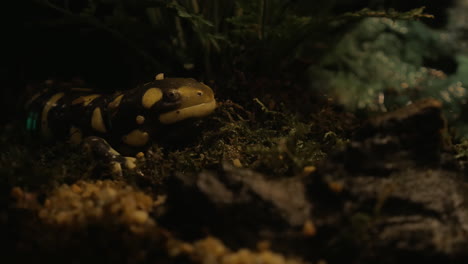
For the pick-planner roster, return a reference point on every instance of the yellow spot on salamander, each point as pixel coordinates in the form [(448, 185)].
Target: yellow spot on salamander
[(136, 138), (151, 96), (159, 76), (97, 122), (115, 103), (130, 163), (140, 119), (45, 112), (85, 100), (75, 136)]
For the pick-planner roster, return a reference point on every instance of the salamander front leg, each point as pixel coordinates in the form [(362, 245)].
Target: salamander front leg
[(100, 149)]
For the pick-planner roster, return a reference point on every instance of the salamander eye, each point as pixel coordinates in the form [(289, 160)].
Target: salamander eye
[(172, 95)]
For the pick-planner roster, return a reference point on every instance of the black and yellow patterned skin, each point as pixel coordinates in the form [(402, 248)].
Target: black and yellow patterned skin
[(126, 120)]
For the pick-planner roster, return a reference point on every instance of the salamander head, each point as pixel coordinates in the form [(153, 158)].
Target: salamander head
[(177, 99)]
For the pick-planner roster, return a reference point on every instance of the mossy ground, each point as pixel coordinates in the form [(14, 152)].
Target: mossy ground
[(268, 134)]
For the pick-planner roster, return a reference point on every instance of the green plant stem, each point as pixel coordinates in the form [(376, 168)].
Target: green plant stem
[(195, 6), (263, 7)]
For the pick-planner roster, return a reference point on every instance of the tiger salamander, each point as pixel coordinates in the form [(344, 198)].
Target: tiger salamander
[(127, 119)]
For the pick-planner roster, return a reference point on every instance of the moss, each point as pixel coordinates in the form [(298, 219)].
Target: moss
[(276, 143), (380, 65), (42, 166)]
